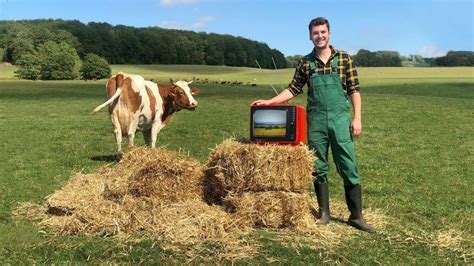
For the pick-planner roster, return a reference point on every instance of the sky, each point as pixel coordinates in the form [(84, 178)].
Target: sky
[(270, 116), (427, 28)]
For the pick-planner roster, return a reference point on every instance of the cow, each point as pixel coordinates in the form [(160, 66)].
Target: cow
[(136, 104)]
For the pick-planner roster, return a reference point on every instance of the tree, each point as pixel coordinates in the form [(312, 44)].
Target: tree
[(19, 45), (29, 66), (95, 67), (52, 61), (292, 61), (2, 54), (367, 58), (455, 58), (59, 61)]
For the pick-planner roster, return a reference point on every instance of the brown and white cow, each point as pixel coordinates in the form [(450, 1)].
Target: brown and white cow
[(136, 104)]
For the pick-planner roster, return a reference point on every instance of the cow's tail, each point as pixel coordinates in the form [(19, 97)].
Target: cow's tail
[(119, 82), (116, 95)]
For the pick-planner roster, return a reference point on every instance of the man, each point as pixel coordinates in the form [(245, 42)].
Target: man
[(331, 79)]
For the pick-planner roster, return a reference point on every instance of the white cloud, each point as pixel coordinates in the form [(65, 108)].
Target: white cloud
[(177, 2), (351, 51), (199, 24), (431, 51), (171, 24), (202, 22)]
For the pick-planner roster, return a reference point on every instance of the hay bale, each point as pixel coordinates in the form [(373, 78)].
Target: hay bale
[(272, 209), (78, 192), (191, 222), (153, 191), (155, 172), (157, 193), (159, 173), (184, 222), (168, 179), (236, 167)]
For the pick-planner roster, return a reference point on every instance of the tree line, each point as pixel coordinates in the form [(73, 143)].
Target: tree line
[(366, 58), (454, 58), (64, 49), (129, 45)]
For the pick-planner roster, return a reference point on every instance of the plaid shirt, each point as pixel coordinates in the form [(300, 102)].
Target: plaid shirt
[(345, 69)]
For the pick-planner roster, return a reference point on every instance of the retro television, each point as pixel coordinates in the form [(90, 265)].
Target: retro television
[(277, 124)]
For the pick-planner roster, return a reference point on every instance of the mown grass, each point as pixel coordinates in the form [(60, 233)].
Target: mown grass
[(415, 156)]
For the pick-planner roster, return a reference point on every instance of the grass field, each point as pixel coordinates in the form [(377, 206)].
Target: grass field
[(261, 131), (416, 158)]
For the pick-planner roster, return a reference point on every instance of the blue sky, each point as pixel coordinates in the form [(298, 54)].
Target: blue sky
[(428, 28)]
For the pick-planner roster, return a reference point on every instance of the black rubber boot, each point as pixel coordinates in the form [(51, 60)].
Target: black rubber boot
[(354, 204), (322, 193)]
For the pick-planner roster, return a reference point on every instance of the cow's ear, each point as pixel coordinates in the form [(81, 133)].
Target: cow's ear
[(195, 90), (191, 81), (173, 90)]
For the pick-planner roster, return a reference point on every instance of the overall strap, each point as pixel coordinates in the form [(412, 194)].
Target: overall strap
[(335, 63), (312, 64)]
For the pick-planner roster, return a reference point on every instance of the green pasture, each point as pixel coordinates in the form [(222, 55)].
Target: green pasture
[(416, 157)]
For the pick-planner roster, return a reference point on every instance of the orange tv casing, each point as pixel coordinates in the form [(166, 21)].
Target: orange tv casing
[(278, 124)]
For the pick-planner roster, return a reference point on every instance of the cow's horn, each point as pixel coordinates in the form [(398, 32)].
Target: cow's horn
[(172, 80), (191, 81)]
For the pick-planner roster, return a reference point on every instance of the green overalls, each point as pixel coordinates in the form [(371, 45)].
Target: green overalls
[(329, 124)]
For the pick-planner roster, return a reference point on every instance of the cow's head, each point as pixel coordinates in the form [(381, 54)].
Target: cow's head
[(183, 94)]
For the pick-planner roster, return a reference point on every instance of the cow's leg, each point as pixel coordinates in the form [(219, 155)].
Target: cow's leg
[(131, 131), (118, 139), (155, 129), (117, 133), (131, 140), (147, 136)]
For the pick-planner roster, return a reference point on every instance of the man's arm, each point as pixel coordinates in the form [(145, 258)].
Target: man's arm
[(357, 120), (294, 88), (283, 96), (353, 90)]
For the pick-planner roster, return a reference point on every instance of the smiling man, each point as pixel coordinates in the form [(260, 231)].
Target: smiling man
[(332, 80)]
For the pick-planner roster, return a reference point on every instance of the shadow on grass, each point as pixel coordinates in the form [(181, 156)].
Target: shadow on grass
[(107, 158), (317, 215)]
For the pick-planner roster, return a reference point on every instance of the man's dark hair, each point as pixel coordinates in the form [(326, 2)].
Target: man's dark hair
[(318, 22)]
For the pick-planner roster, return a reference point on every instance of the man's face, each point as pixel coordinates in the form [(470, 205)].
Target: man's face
[(320, 36)]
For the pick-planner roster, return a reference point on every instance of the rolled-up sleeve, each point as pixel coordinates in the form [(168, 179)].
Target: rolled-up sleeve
[(299, 79), (352, 79)]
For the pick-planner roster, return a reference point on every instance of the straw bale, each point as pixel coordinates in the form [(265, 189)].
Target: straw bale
[(167, 180), (192, 221), (154, 191), (237, 167), (274, 209), (79, 191), (157, 193), (158, 173)]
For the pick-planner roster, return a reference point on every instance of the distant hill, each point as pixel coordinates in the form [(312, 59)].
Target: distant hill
[(129, 45)]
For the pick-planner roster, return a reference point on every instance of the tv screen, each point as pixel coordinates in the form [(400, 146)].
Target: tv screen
[(269, 123), (278, 124)]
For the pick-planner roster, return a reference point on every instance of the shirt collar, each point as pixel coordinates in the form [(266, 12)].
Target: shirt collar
[(334, 52)]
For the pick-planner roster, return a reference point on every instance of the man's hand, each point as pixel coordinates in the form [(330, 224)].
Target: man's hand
[(261, 102), (284, 96), (356, 127)]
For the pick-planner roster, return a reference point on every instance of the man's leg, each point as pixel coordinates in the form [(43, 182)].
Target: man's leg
[(320, 180), (318, 141), (344, 157)]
